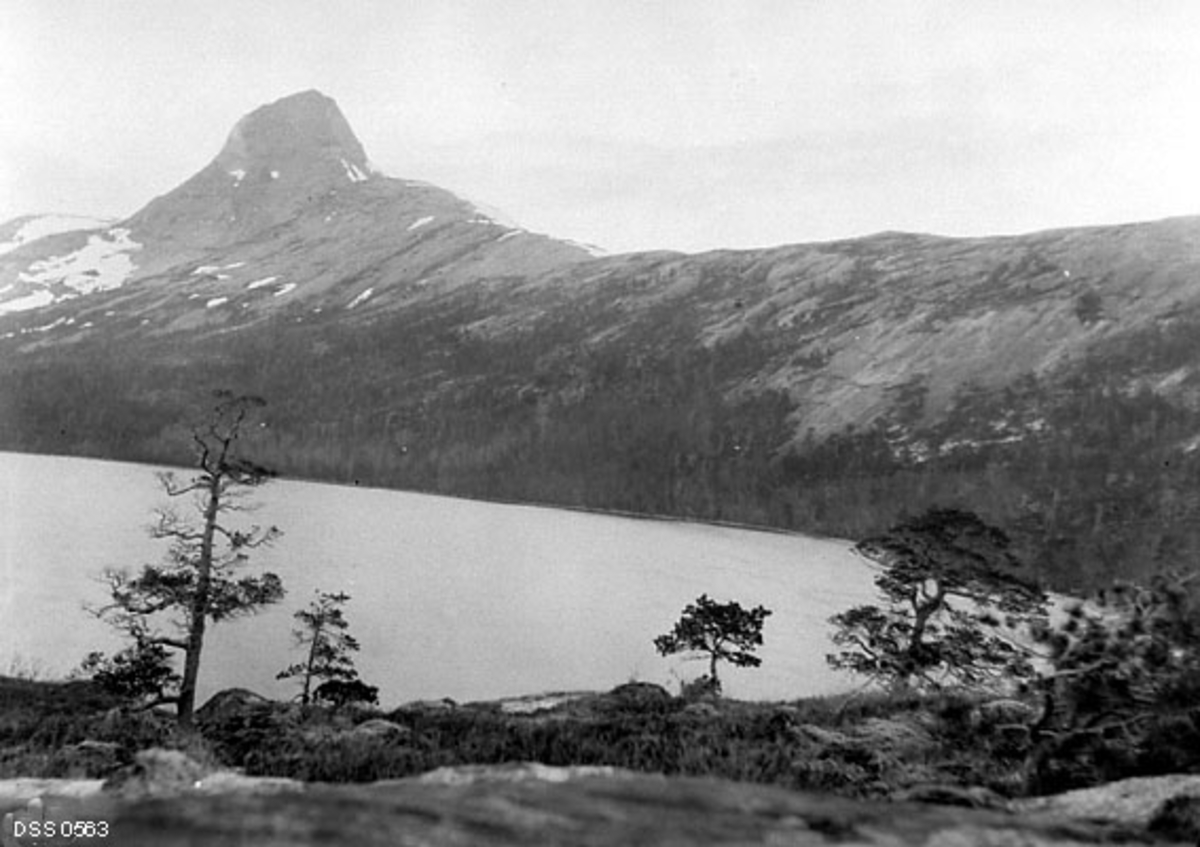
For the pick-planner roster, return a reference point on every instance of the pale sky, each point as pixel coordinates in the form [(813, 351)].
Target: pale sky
[(636, 124)]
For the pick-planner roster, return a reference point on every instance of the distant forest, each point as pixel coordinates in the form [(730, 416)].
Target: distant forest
[(1092, 480)]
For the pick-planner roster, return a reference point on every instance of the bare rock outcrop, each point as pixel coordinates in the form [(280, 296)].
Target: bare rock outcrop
[(534, 806), (1136, 801), (526, 804), (172, 773), (167, 799)]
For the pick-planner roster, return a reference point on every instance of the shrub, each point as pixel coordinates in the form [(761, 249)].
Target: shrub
[(1119, 697)]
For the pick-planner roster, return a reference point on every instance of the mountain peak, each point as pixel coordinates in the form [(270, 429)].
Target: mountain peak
[(278, 160), (306, 129), (291, 191)]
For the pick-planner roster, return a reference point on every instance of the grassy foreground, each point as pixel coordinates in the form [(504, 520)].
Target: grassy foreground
[(874, 745), (866, 746)]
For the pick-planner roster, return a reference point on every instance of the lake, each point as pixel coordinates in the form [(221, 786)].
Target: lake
[(449, 597)]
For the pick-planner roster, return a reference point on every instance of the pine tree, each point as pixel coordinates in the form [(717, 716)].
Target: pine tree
[(322, 634), (722, 631), (198, 581), (948, 582)]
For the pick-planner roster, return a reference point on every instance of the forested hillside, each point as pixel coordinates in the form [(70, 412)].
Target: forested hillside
[(1093, 479)]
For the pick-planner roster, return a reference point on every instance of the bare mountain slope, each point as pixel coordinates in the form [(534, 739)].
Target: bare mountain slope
[(848, 324)]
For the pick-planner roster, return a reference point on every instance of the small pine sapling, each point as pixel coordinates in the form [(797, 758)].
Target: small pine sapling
[(322, 633)]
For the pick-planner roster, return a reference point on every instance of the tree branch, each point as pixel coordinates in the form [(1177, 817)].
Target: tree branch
[(157, 701)]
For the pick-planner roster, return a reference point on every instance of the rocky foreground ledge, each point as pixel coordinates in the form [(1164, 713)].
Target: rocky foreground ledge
[(167, 800)]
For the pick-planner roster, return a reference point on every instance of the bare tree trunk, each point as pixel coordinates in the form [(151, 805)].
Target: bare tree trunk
[(198, 614), (922, 612), (305, 696)]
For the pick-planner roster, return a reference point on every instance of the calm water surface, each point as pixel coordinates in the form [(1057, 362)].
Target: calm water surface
[(450, 598)]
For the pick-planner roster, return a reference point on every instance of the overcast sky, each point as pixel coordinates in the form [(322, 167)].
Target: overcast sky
[(636, 124)]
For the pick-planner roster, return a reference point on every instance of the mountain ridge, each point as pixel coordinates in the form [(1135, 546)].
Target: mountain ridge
[(405, 338), (291, 171)]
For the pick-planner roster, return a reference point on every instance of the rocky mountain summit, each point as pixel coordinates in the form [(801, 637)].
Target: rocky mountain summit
[(277, 161)]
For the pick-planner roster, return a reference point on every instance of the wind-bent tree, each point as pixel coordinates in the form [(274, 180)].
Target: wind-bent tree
[(322, 634), (198, 580), (722, 631), (948, 582)]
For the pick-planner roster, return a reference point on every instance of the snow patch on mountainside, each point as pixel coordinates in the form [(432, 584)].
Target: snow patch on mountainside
[(592, 249), (102, 264), (261, 283), (214, 271), (353, 173), (36, 300), (420, 222), (53, 325), (362, 298), (40, 226)]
